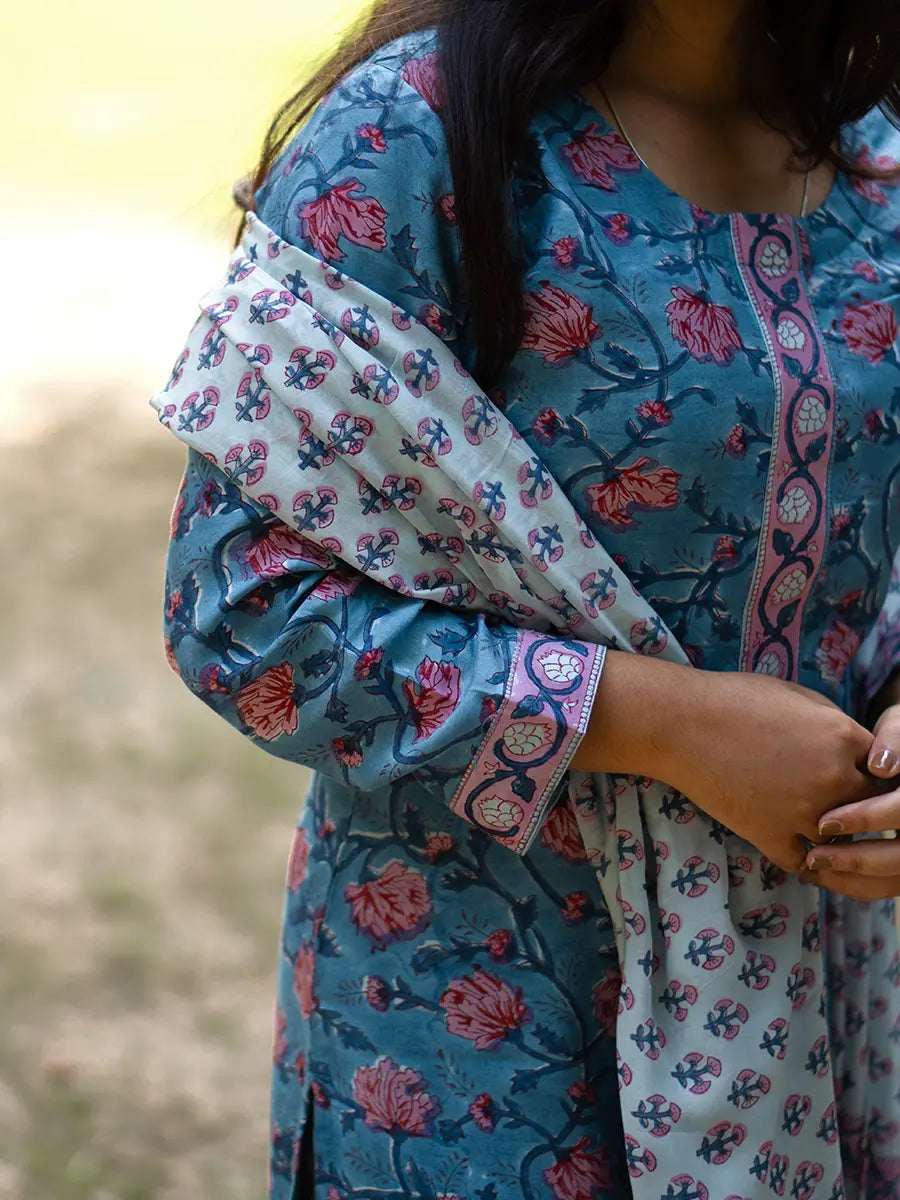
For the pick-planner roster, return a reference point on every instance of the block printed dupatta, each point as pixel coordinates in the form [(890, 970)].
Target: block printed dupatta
[(309, 390)]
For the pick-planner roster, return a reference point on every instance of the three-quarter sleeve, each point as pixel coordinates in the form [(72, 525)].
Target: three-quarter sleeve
[(315, 661), (322, 666)]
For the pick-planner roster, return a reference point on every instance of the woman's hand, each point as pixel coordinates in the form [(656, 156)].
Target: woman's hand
[(766, 758), (868, 869)]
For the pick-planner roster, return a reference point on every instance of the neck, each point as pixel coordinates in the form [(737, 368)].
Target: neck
[(685, 51)]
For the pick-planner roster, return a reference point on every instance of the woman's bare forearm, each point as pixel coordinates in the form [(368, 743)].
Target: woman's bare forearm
[(639, 704)]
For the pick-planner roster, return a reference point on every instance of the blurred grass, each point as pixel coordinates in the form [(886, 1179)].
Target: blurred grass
[(152, 108), (142, 842)]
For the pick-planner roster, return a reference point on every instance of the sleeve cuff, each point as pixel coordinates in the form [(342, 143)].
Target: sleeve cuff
[(513, 779)]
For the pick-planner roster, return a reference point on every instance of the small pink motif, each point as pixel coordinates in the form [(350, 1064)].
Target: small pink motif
[(483, 1112), (564, 251), (447, 205), (438, 846), (368, 662), (374, 136), (605, 999)]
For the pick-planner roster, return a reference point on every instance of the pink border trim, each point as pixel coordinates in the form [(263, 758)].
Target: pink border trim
[(795, 511), (499, 809)]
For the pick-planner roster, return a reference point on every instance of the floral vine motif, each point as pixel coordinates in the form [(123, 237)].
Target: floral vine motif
[(794, 534)]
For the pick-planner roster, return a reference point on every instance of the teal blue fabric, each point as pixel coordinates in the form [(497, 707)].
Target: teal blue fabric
[(447, 1006)]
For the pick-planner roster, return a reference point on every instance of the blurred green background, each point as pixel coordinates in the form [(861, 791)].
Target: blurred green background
[(142, 842)]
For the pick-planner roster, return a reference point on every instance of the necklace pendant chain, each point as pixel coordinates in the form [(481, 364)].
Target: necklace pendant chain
[(643, 162)]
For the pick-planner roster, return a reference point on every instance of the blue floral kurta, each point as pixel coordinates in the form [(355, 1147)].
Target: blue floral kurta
[(720, 398)]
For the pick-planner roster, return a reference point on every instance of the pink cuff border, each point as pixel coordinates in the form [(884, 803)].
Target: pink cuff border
[(563, 669)]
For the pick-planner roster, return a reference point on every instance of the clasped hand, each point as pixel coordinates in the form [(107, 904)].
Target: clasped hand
[(787, 770), (866, 869)]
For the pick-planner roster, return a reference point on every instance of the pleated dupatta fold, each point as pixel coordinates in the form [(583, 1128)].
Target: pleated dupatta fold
[(358, 428)]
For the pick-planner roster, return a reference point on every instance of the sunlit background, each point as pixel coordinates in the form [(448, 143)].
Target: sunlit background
[(142, 842)]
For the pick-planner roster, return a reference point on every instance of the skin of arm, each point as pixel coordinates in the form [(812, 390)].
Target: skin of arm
[(769, 759)]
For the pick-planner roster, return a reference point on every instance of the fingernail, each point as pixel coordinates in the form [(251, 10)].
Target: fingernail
[(830, 828), (820, 862), (885, 760)]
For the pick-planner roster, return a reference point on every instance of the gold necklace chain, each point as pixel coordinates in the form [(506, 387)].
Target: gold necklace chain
[(640, 157)]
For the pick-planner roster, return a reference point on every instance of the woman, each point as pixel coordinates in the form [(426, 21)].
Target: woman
[(571, 201)]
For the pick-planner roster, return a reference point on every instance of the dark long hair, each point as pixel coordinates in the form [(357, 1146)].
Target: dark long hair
[(825, 63)]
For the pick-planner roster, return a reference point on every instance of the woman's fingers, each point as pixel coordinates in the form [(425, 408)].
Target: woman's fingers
[(878, 857), (884, 755), (877, 814), (858, 887)]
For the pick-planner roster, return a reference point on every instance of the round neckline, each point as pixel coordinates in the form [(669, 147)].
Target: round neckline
[(580, 100)]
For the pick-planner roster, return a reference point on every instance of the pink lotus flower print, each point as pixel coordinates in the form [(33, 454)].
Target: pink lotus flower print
[(267, 704), (298, 861), (424, 74), (557, 324), (433, 696), (581, 1174), (267, 556), (304, 972), (594, 155), (279, 1041), (338, 213), (394, 906), (707, 331), (870, 330), (633, 487), (837, 649), (560, 833), (484, 1009), (334, 585), (873, 189), (395, 1099)]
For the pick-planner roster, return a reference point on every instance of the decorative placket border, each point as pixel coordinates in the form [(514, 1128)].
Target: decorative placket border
[(794, 527)]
